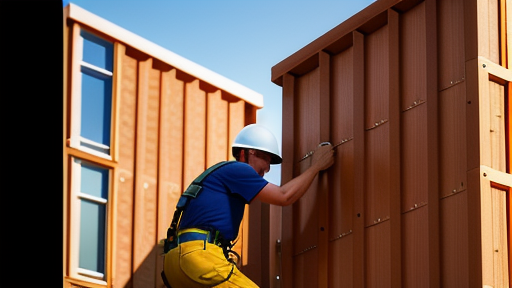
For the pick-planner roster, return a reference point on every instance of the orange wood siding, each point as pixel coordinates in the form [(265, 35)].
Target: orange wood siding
[(126, 172), (145, 212), (170, 155), (194, 131), (217, 116), (169, 126)]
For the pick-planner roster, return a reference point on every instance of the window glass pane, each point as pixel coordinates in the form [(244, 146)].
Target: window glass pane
[(96, 106), (94, 181), (97, 51), (92, 236)]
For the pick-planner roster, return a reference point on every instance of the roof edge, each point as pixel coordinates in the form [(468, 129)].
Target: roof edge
[(317, 45), (83, 16)]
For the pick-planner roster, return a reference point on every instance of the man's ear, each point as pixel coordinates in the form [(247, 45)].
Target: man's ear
[(242, 155)]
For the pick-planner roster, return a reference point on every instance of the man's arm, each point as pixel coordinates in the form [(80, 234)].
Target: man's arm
[(290, 192)]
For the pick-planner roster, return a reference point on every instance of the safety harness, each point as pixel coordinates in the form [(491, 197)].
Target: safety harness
[(193, 191)]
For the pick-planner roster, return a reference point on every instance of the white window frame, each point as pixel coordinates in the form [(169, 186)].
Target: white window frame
[(75, 219), (76, 98)]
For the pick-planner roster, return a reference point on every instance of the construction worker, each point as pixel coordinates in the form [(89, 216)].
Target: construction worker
[(211, 218)]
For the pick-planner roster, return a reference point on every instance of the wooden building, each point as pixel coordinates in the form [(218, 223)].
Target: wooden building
[(140, 123), (415, 92), (418, 94)]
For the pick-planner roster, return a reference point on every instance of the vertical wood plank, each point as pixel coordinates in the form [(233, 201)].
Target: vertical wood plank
[(236, 121), (476, 78), (217, 128), (483, 28), (341, 174), (503, 41), (432, 77), (119, 50), (287, 168), (475, 217), (394, 138), (144, 253), (471, 30), (124, 234), (453, 155), (454, 240), (452, 36), (486, 222), (493, 33), (194, 132), (484, 117), (76, 86), (169, 157), (507, 16), (323, 182), (499, 231), (359, 160), (497, 127), (508, 126), (236, 111)]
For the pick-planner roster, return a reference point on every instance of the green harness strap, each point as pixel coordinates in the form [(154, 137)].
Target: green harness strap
[(192, 191)]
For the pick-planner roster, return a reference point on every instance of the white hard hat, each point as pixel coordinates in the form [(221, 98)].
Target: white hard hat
[(255, 136)]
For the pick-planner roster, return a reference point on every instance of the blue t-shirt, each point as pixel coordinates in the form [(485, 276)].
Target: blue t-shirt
[(221, 203)]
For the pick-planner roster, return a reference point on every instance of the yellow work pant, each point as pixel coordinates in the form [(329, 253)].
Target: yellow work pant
[(201, 264)]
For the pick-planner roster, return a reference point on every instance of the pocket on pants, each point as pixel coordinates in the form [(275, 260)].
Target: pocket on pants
[(204, 264)]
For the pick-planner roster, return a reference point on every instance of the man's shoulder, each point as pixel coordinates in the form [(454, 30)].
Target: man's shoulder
[(233, 165)]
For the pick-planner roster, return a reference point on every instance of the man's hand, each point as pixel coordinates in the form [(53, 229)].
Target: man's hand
[(323, 157)]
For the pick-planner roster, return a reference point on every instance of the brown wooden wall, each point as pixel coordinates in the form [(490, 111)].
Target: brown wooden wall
[(417, 93), (169, 127)]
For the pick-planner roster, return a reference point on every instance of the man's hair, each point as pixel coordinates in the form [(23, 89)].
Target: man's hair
[(236, 153)]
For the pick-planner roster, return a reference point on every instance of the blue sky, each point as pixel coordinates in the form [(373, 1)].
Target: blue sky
[(238, 39)]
